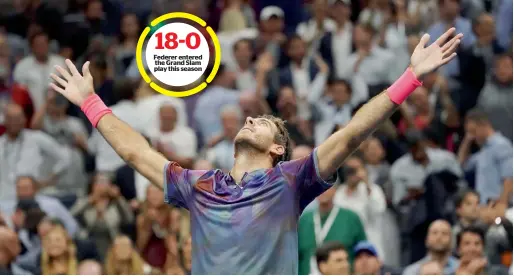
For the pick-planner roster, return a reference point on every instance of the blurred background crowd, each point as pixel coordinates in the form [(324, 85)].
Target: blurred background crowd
[(429, 193)]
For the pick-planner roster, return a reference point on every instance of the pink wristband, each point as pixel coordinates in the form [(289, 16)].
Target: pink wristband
[(403, 87), (95, 109)]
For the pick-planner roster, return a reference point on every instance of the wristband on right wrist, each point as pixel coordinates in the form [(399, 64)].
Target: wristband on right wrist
[(94, 109), (403, 87)]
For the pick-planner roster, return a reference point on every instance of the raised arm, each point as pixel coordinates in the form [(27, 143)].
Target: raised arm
[(344, 142), (128, 143)]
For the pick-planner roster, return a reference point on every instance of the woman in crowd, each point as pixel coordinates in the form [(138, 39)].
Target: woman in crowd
[(58, 256), (103, 213)]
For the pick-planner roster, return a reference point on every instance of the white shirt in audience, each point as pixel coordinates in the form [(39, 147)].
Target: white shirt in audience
[(369, 206), (107, 160), (36, 76)]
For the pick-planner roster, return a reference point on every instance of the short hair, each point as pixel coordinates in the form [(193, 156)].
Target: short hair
[(281, 137), (125, 89), (334, 81), (463, 194), (36, 35), (473, 230), (478, 116), (324, 251), (292, 38), (367, 27)]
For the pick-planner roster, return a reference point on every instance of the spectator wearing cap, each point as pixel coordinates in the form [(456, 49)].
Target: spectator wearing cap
[(332, 259), (271, 26), (367, 261), (27, 152), (439, 246), (492, 164), (470, 248)]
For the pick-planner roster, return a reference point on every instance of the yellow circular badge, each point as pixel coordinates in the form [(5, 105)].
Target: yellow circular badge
[(177, 54)]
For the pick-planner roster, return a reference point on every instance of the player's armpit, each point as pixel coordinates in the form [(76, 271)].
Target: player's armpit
[(133, 148)]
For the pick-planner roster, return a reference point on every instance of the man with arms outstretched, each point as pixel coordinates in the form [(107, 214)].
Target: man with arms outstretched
[(245, 222)]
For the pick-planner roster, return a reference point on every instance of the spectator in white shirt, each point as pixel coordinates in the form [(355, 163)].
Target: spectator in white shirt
[(107, 160), (320, 23), (71, 134), (243, 54), (333, 111), (34, 70), (176, 142), (337, 45), (369, 61), (363, 197), (27, 152)]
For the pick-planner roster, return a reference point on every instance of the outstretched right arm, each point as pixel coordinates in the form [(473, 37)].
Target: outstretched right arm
[(133, 148)]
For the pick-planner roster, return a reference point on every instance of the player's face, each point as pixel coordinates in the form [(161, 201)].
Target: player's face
[(259, 134)]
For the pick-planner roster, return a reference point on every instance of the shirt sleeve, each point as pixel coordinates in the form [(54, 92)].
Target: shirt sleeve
[(303, 176), (178, 184), (50, 147), (504, 159)]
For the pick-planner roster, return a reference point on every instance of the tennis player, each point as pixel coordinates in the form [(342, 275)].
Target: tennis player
[(245, 222)]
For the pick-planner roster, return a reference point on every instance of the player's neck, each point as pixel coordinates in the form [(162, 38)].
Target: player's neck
[(246, 162)]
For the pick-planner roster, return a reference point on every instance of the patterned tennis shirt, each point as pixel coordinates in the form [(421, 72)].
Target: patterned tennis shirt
[(250, 228)]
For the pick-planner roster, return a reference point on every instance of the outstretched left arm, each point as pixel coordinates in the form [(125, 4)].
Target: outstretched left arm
[(332, 153)]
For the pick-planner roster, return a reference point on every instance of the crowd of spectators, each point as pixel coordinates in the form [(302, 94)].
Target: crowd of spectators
[(429, 193)]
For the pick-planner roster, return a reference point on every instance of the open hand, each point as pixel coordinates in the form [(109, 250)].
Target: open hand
[(75, 87), (426, 59)]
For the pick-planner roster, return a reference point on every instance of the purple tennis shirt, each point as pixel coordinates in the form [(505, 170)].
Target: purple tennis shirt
[(250, 228)]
